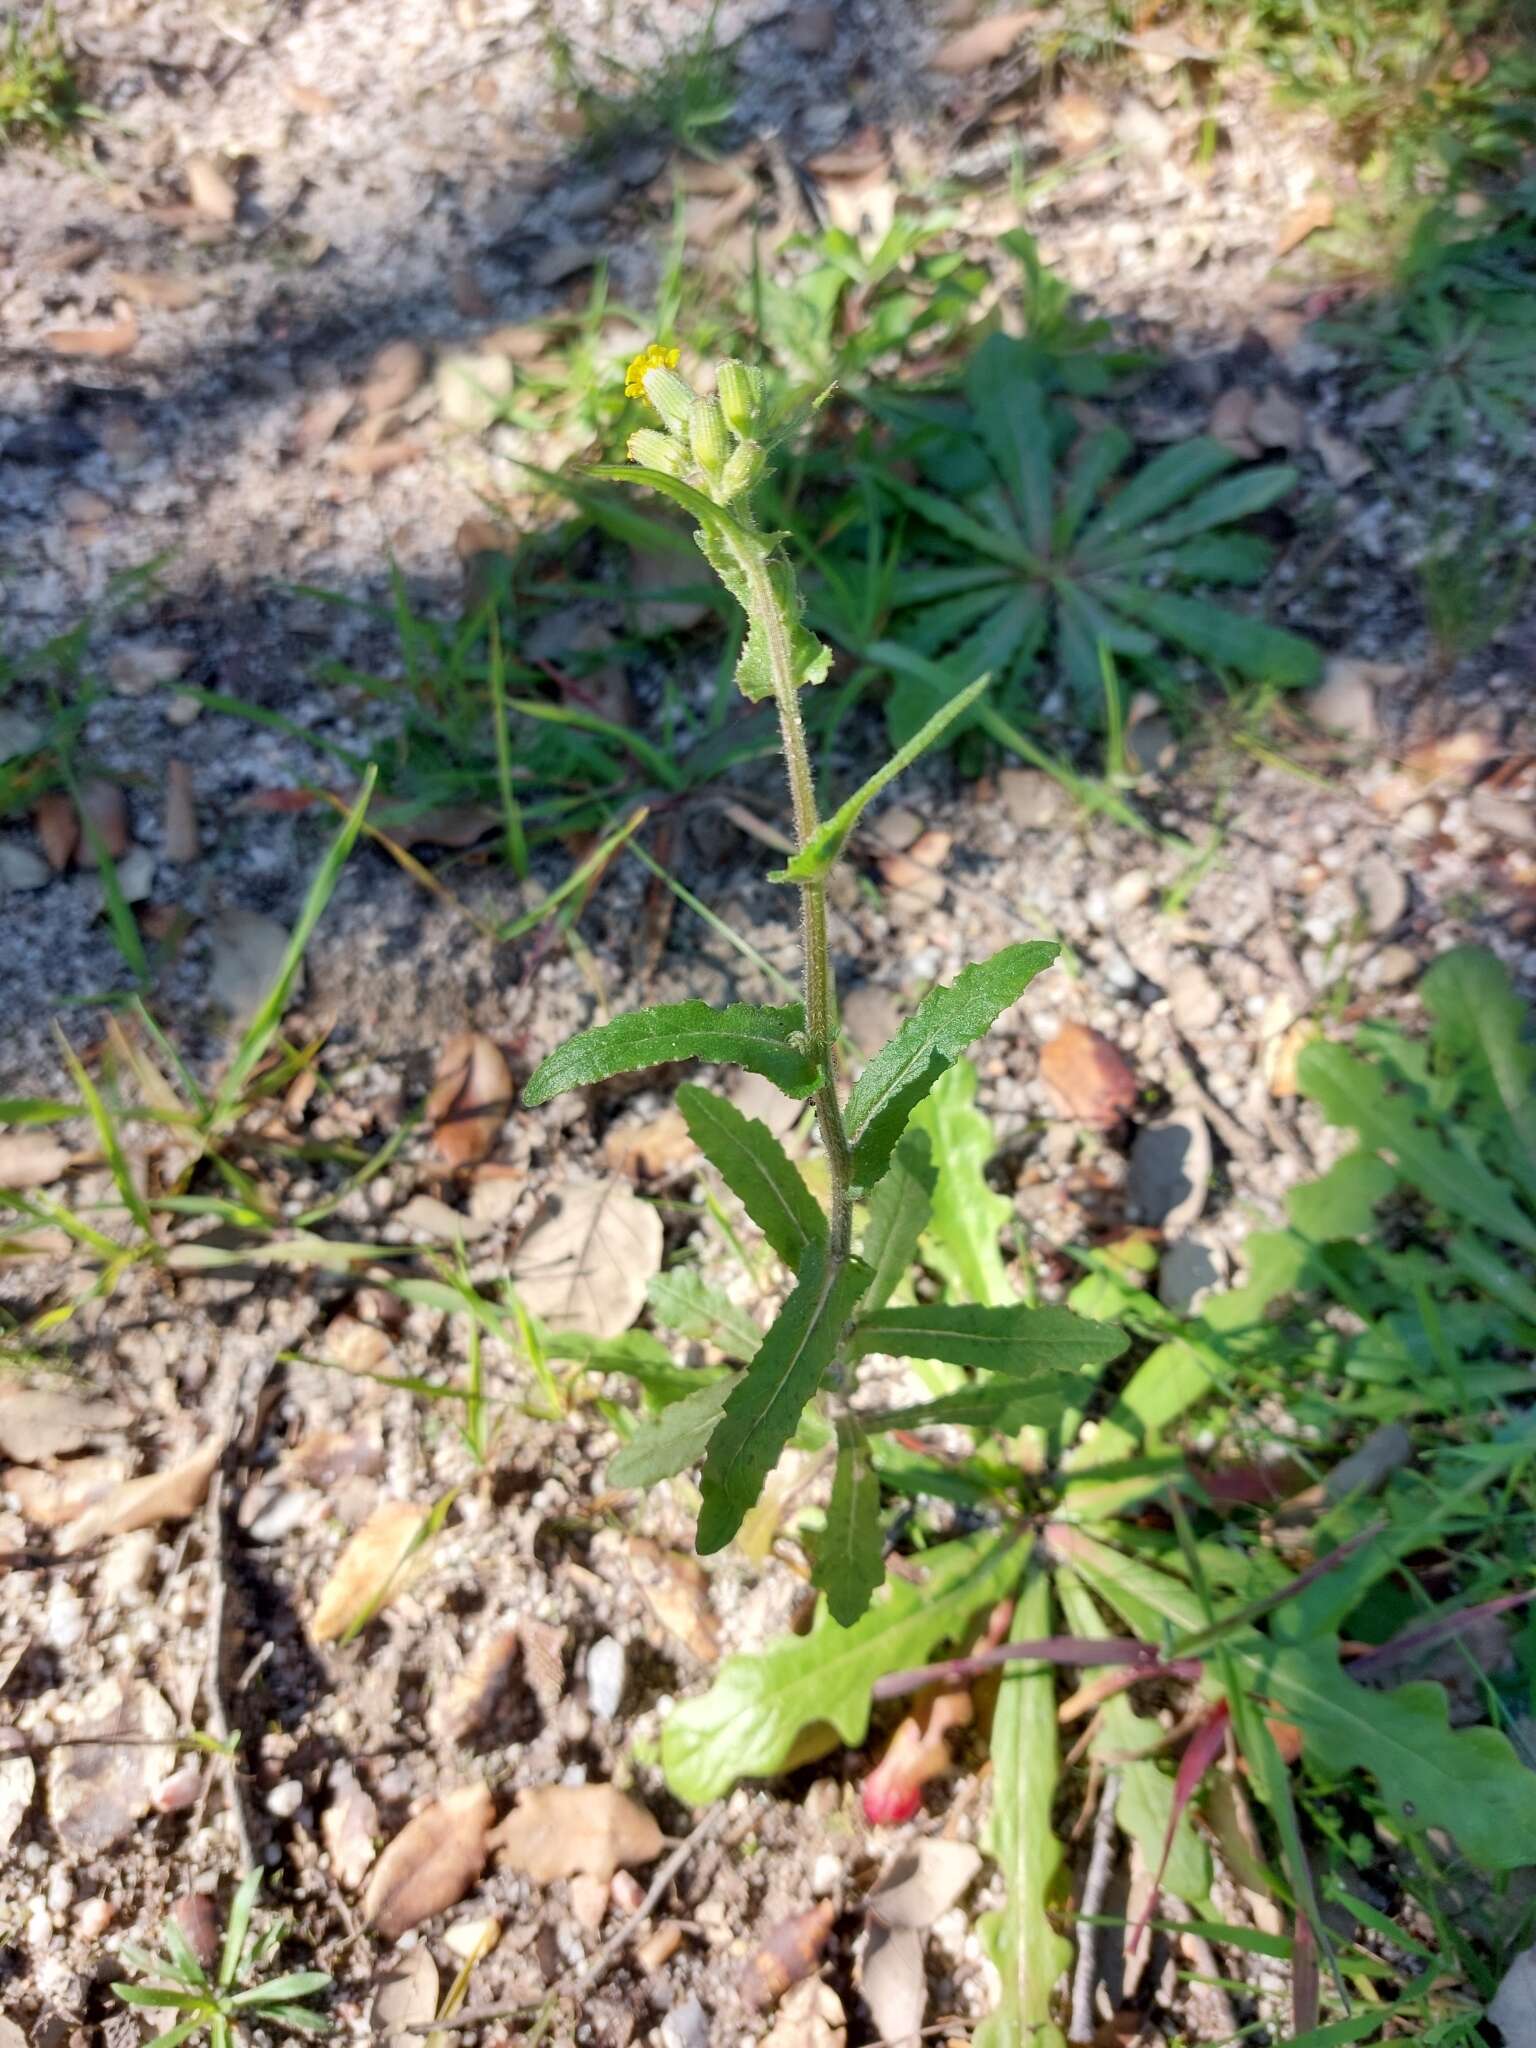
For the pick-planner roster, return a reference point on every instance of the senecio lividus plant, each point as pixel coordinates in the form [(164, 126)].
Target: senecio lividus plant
[(707, 458)]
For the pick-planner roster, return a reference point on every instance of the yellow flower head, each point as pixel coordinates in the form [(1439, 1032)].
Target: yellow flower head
[(655, 356)]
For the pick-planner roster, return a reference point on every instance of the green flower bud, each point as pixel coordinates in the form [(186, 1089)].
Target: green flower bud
[(706, 432), (671, 397), (655, 450), (741, 393), (742, 471)]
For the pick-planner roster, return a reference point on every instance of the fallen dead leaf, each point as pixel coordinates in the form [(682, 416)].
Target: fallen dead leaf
[(587, 1265), (984, 42), (894, 1983), (51, 1499), (1278, 421), (373, 1567), (558, 1831), (1459, 759), (790, 1952), (471, 1095), (104, 812), (1229, 420), (1282, 1037), (158, 288), (212, 193), (431, 1863), (40, 1424), (57, 824), (589, 1902), (543, 1661), (406, 1999), (648, 1151), (181, 840), (472, 1698), (98, 1791), (168, 1496), (473, 1940), (676, 1589), (1343, 463), (1304, 220), (394, 375), (100, 342), (31, 1159), (1089, 1078), (349, 1828)]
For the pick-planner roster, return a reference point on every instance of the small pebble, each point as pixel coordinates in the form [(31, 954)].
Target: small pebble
[(284, 1800), (605, 1676)]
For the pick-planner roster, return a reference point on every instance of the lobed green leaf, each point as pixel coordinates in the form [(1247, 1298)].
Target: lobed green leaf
[(756, 1169), (928, 1044), (765, 1040)]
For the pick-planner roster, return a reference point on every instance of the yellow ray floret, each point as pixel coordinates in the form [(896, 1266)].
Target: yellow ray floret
[(655, 356)]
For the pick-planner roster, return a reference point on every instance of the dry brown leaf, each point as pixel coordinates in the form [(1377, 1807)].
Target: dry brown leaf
[(474, 1695), (359, 460), (1304, 220), (348, 1827), (158, 288), (104, 808), (57, 824), (213, 194), (168, 1496), (181, 840), (101, 342), (1277, 421), (558, 1831), (1283, 1035), (320, 419), (1459, 758), (1088, 1077), (543, 1662), (790, 1952), (307, 99), (1229, 420), (50, 1499), (649, 1150), (589, 1902), (39, 1423), (98, 1791), (431, 1863), (587, 1265), (373, 1567), (1077, 121), (676, 1589), (923, 1882), (984, 42), (394, 375), (470, 1097)]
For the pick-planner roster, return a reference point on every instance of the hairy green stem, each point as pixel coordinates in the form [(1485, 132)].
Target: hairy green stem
[(820, 987)]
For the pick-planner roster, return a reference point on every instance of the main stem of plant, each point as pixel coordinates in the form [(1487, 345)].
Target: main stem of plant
[(820, 988)]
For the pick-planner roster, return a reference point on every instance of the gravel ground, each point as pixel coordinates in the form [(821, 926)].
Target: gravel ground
[(406, 174)]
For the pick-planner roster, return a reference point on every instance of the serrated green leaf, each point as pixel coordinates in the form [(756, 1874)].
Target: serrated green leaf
[(711, 516), (899, 1209), (826, 844), (754, 1166), (850, 1561), (968, 1217), (945, 1022), (1014, 424), (673, 1441), (808, 659), (1267, 654), (1019, 1341), (1164, 481), (765, 1403), (684, 1301), (1355, 1094), (1236, 497), (805, 1694), (986, 541), (1030, 1955), (762, 1039)]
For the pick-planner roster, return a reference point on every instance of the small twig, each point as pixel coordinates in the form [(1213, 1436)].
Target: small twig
[(1085, 1977), (592, 1972)]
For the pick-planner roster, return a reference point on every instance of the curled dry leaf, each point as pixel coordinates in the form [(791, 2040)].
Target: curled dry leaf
[(32, 1159), (349, 1827), (790, 1952), (102, 343), (1089, 1078), (558, 1831), (99, 1790), (470, 1097), (431, 1863), (676, 1589), (472, 1698), (587, 1265), (984, 42), (372, 1568), (168, 1496), (40, 1423), (405, 1999)]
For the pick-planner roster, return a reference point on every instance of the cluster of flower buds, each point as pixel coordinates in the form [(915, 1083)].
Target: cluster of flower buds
[(708, 441)]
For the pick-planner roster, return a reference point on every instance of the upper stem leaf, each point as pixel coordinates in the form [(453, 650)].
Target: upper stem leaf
[(756, 1169), (766, 1040), (850, 1565), (1023, 1342)]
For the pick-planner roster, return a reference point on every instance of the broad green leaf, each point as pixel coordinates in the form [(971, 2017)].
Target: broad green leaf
[(765, 1402), (684, 1301), (767, 1041), (1030, 1955), (899, 1210), (1481, 1021), (1342, 1202), (673, 1441), (945, 1022), (1267, 654), (850, 1561), (1116, 1466), (1019, 1341), (1094, 461), (1166, 480), (1236, 497), (1468, 1782), (999, 1404), (805, 1694), (968, 1217), (826, 845), (1354, 1093), (1242, 558), (756, 1169)]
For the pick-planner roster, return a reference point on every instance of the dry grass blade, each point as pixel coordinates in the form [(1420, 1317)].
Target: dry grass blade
[(370, 1570)]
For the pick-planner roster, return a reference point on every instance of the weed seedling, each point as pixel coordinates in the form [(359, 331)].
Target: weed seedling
[(224, 2003), (39, 96)]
